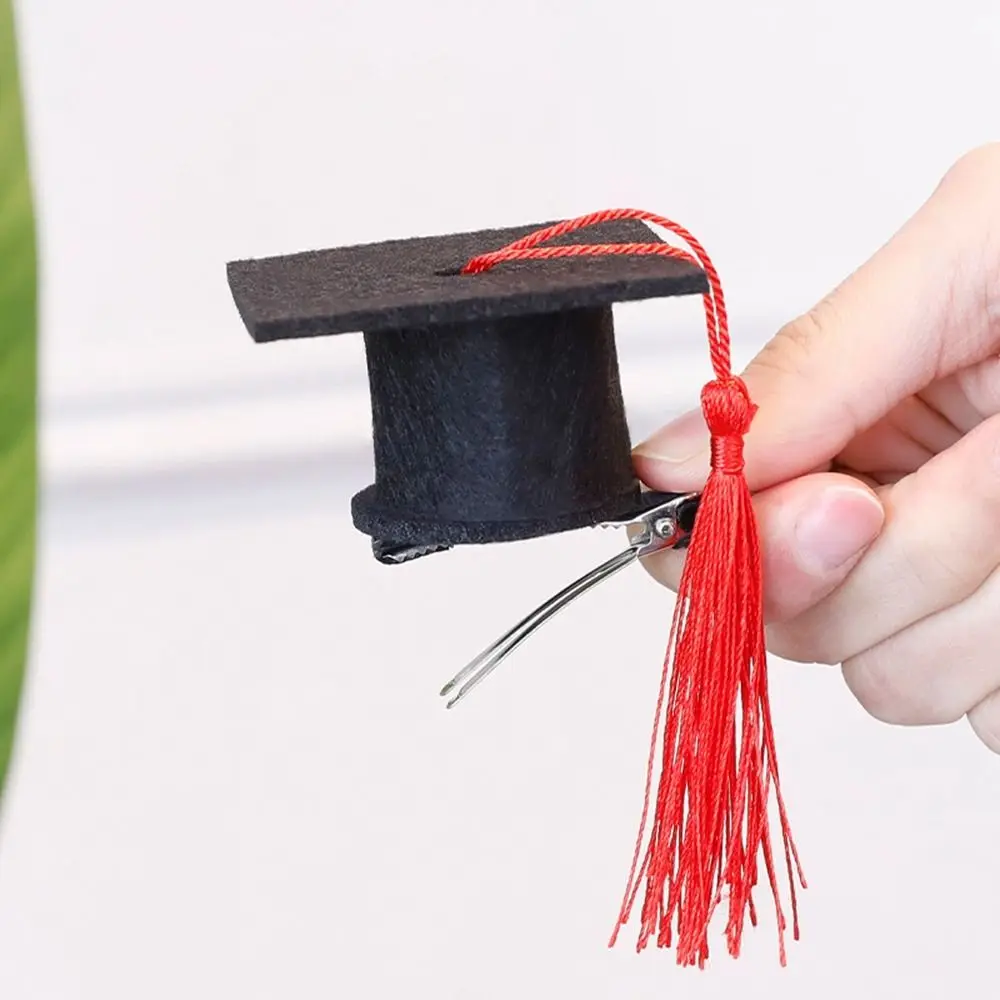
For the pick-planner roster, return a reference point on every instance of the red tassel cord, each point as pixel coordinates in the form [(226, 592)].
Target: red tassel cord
[(705, 833)]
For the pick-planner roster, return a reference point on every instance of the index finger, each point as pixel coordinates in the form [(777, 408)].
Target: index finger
[(926, 305)]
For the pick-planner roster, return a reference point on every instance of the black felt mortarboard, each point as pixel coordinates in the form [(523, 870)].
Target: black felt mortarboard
[(497, 410)]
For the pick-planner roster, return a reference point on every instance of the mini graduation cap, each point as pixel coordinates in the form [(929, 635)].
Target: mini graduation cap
[(497, 415)]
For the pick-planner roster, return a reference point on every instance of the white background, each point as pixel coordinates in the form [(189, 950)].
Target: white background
[(234, 777)]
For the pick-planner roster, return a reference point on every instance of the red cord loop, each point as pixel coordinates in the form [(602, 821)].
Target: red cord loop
[(530, 248)]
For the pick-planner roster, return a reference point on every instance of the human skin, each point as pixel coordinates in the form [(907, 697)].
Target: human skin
[(875, 463)]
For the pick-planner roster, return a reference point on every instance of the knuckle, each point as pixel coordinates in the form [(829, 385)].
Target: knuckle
[(790, 641), (797, 355), (987, 470), (787, 353), (883, 687), (873, 688), (985, 722), (962, 552), (970, 192), (947, 522), (941, 571)]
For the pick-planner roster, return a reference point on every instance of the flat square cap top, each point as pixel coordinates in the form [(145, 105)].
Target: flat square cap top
[(415, 283)]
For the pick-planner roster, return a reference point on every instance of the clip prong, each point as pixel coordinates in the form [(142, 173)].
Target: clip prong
[(665, 523), (490, 658)]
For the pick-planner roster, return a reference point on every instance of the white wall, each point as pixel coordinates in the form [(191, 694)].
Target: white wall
[(234, 778)]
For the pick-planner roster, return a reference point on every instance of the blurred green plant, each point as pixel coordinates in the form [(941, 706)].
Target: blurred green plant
[(18, 393)]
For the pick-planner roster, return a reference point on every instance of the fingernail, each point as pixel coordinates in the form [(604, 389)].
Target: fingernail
[(837, 528), (679, 441)]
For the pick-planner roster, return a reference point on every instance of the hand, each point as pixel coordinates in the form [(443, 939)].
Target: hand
[(875, 462)]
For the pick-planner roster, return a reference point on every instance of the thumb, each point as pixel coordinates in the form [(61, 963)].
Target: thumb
[(923, 307), (813, 529)]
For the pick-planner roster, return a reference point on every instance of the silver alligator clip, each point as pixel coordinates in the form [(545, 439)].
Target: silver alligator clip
[(664, 521)]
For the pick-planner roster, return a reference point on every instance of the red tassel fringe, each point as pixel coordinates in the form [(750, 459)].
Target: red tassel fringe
[(710, 826)]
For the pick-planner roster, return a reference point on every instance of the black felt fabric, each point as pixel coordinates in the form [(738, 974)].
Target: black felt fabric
[(496, 431), (403, 284), (497, 411)]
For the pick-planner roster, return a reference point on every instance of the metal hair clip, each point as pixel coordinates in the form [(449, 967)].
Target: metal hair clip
[(663, 521)]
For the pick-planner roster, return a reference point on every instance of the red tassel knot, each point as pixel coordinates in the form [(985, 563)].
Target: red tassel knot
[(728, 411)]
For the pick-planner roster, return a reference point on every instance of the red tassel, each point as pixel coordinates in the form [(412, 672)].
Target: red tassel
[(718, 765), (709, 825)]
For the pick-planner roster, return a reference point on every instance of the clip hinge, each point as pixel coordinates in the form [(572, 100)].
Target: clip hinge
[(665, 521)]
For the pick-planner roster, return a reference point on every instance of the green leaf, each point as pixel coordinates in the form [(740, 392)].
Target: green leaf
[(18, 392)]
